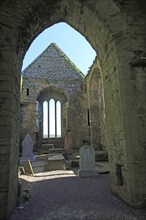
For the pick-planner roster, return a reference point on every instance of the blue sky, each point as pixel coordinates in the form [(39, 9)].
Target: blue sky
[(71, 42)]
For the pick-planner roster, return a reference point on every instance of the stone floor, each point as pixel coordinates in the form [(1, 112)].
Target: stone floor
[(62, 195)]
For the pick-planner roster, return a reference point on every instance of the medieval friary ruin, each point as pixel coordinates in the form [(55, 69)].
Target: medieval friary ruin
[(106, 109), (52, 78)]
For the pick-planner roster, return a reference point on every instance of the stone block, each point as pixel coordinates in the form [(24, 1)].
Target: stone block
[(3, 214), (3, 198), (4, 158), (4, 168), (4, 180), (56, 162), (28, 167)]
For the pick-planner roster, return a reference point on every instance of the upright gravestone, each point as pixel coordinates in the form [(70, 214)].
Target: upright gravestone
[(27, 149), (87, 162)]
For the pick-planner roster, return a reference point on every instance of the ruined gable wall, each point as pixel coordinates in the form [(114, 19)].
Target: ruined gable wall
[(63, 77)]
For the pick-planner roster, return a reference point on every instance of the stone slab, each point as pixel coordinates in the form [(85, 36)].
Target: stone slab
[(56, 162), (55, 172), (42, 157), (55, 165), (28, 167), (39, 166), (27, 151), (87, 158), (27, 145), (57, 157)]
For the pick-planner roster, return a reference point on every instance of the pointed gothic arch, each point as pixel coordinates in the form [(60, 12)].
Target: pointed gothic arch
[(51, 119), (107, 26)]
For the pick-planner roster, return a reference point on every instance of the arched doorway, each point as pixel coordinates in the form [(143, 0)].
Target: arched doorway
[(95, 21)]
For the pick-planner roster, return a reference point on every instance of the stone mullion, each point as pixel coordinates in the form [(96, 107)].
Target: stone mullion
[(48, 118), (42, 121), (55, 121), (62, 119), (66, 116)]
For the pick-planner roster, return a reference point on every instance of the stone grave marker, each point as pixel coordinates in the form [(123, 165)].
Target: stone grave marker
[(56, 162), (87, 162), (27, 149), (28, 167)]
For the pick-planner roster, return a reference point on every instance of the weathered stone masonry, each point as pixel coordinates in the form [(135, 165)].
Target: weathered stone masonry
[(116, 30), (53, 75)]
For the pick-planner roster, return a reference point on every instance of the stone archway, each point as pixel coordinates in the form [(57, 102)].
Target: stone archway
[(96, 106), (118, 52), (46, 95)]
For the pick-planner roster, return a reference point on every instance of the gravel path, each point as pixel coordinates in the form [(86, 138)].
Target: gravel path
[(68, 197)]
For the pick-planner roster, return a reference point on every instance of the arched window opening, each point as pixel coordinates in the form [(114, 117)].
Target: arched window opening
[(58, 118), (52, 117), (45, 119)]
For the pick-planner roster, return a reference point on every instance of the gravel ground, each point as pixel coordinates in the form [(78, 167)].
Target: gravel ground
[(68, 197)]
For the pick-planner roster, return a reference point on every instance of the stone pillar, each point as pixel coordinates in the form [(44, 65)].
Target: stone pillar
[(134, 117), (9, 128), (87, 162)]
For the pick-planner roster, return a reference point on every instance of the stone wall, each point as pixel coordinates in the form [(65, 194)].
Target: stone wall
[(96, 105), (116, 30), (52, 75)]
